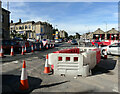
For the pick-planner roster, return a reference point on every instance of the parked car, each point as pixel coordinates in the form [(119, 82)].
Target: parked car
[(97, 41), (74, 42), (32, 40), (112, 49), (7, 46)]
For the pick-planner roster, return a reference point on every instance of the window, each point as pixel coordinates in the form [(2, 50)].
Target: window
[(19, 27), (25, 26), (2, 18), (16, 28), (22, 27), (29, 26)]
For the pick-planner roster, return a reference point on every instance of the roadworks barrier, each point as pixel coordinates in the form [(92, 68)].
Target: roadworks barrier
[(74, 61)]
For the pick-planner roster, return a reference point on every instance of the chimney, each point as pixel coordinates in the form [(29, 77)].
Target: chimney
[(20, 20), (113, 28), (11, 21), (98, 28)]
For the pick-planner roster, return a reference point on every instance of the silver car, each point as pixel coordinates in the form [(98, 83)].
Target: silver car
[(112, 49)]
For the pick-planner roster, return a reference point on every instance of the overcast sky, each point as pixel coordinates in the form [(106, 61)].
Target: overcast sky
[(72, 17)]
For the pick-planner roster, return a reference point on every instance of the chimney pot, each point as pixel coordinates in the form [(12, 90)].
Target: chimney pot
[(11, 21), (20, 20)]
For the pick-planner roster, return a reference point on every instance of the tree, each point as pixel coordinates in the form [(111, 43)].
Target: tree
[(71, 37), (78, 35)]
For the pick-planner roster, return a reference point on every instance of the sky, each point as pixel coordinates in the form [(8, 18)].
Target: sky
[(80, 17)]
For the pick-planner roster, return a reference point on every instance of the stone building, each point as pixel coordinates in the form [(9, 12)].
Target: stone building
[(63, 34), (5, 24), (43, 30), (31, 29), (112, 34), (25, 28), (99, 34)]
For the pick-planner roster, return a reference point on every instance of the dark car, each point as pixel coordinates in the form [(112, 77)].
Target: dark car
[(74, 42), (7, 46)]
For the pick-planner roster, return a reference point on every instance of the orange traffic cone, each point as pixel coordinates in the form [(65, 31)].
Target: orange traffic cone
[(53, 45), (47, 68), (105, 54), (32, 48), (40, 46), (50, 45), (24, 80), (35, 47), (12, 53), (1, 52), (25, 49), (22, 51), (47, 46)]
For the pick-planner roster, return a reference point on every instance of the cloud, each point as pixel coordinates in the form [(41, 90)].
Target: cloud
[(82, 28)]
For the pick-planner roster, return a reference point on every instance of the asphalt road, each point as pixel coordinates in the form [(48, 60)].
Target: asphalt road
[(104, 76)]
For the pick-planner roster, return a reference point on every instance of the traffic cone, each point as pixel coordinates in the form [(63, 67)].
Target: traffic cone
[(53, 45), (35, 47), (47, 68), (50, 45), (32, 48), (25, 49), (105, 54), (24, 80), (40, 46), (1, 52), (12, 53), (47, 46), (22, 51)]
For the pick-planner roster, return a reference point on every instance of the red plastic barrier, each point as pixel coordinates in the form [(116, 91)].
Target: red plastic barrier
[(98, 55), (73, 50)]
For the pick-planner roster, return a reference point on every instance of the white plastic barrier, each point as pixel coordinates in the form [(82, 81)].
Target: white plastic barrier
[(66, 64), (73, 64), (89, 58)]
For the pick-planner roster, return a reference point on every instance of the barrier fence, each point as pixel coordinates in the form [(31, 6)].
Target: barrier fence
[(74, 61)]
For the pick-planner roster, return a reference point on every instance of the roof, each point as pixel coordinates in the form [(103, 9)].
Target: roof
[(22, 23), (99, 31), (5, 10), (113, 30)]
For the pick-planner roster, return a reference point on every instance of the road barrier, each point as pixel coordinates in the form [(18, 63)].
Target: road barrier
[(74, 61), (24, 80), (12, 53), (1, 52)]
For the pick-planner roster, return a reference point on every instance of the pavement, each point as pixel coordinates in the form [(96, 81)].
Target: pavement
[(104, 76)]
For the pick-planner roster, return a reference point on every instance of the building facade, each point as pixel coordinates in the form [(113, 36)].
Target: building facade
[(37, 30), (5, 26), (43, 30), (63, 34), (25, 28), (109, 35), (101, 35)]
